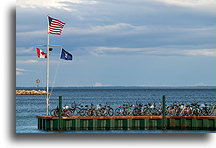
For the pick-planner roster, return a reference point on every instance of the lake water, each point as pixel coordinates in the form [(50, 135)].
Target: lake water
[(29, 106)]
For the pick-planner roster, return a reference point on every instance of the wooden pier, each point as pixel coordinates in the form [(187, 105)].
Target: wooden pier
[(163, 122), (126, 123)]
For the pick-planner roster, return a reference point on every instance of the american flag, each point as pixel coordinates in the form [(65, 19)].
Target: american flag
[(55, 26)]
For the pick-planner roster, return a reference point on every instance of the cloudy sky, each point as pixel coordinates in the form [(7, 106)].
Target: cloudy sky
[(119, 42)]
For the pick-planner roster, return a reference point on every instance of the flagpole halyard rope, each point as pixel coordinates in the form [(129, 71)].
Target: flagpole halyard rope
[(54, 79)]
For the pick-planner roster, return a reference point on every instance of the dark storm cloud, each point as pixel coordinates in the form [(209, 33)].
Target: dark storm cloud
[(132, 24)]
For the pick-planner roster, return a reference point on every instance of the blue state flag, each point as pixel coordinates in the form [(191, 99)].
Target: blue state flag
[(66, 55)]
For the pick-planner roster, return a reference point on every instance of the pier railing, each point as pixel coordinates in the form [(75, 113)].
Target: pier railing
[(138, 109)]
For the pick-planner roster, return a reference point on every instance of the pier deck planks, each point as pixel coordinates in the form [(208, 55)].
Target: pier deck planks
[(47, 122)]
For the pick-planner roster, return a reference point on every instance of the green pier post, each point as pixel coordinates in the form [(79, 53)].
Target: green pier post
[(163, 113), (60, 112)]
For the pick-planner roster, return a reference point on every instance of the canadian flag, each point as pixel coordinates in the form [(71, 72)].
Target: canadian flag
[(41, 54)]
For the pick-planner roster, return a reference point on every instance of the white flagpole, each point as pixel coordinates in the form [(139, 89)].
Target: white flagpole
[(47, 71)]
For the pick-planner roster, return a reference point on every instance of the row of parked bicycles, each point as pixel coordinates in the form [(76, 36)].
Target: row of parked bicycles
[(149, 109)]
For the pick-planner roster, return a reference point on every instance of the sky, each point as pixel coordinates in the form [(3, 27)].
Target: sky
[(118, 42)]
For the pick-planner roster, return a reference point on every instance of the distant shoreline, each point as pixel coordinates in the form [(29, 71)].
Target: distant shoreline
[(31, 92)]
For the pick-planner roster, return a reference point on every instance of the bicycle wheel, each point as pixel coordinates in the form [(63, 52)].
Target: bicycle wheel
[(56, 113), (52, 112), (135, 112), (72, 112), (117, 112), (128, 112), (102, 112), (211, 112), (97, 112), (148, 112), (68, 112), (94, 112), (91, 112), (83, 112), (111, 112)]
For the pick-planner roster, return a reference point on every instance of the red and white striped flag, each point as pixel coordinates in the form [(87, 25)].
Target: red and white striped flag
[(55, 26), (40, 53)]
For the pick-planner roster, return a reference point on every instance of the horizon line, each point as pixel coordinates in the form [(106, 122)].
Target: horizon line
[(117, 86)]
